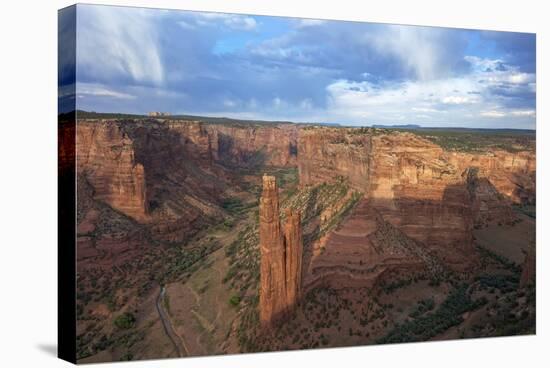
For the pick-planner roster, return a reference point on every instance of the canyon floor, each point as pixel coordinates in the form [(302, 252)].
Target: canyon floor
[(179, 276)]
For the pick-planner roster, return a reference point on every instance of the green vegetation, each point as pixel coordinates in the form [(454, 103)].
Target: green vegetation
[(479, 140), (244, 268), (81, 114), (246, 332), (526, 209), (179, 260), (505, 283), (228, 224), (235, 206), (244, 257), (341, 214), (125, 321), (502, 261), (390, 287), (234, 300), (447, 315), (232, 205), (127, 357), (125, 340), (457, 139), (423, 306), (243, 273)]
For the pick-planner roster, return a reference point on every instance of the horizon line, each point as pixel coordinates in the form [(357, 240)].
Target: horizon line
[(342, 125)]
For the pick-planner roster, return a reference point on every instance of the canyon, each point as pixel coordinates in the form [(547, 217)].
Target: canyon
[(283, 215), (432, 197)]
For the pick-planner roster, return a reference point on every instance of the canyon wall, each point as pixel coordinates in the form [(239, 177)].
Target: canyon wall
[(513, 174), (431, 195), (159, 175), (280, 256), (197, 141), (324, 153), (106, 158), (171, 173), (273, 145), (404, 159)]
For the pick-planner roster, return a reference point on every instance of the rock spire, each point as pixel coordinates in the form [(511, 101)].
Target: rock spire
[(281, 255)]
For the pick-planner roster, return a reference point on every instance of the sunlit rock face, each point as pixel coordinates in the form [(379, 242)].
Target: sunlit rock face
[(281, 256), (293, 256), (429, 194), (106, 158)]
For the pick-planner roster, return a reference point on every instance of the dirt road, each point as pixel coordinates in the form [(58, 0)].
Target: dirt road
[(176, 339)]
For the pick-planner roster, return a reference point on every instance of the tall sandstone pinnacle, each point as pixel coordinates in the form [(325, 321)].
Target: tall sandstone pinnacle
[(293, 252), (281, 256)]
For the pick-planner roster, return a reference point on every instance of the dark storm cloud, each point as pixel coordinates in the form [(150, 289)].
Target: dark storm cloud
[(518, 49), (138, 60), (66, 67)]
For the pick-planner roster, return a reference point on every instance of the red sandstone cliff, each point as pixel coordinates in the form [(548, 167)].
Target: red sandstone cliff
[(280, 256), (159, 174), (197, 141), (105, 156), (170, 174), (293, 255), (272, 250), (487, 204), (418, 187), (273, 145)]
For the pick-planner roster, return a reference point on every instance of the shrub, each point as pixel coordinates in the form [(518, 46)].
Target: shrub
[(234, 300), (125, 321), (447, 315)]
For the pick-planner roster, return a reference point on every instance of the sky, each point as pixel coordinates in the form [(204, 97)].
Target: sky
[(136, 60)]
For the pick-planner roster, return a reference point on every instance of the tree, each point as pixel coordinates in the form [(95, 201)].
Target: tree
[(125, 321)]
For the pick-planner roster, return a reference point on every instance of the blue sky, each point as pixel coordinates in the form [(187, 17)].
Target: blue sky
[(137, 60)]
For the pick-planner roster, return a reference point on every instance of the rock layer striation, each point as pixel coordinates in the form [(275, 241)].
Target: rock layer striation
[(281, 256), (433, 196)]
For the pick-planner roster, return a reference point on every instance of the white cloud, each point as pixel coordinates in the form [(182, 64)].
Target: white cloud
[(495, 72), (229, 103), (425, 109), (429, 101), (242, 23), (425, 96), (521, 78), (274, 51), (493, 114), (277, 102), (186, 25), (523, 113), (456, 100), (113, 41), (66, 90), (233, 21), (306, 104), (97, 90), (303, 23), (418, 49), (506, 113)]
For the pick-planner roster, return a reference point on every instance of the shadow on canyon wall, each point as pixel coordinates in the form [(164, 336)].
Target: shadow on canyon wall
[(441, 229), (174, 167)]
